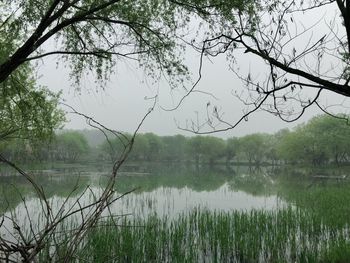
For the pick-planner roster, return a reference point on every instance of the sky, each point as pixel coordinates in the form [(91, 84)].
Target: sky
[(123, 102)]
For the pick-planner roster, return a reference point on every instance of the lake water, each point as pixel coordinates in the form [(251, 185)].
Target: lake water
[(165, 190)]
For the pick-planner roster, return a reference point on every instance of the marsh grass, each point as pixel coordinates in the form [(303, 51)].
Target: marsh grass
[(286, 235)]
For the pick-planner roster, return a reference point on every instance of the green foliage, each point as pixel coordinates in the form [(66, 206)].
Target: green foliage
[(326, 199), (253, 147), (205, 149), (112, 147), (92, 36), (232, 146), (323, 139), (332, 135), (69, 146), (174, 148), (151, 147), (285, 235), (27, 111), (140, 148), (292, 148), (98, 31), (213, 148), (146, 147), (338, 252), (155, 146), (195, 148)]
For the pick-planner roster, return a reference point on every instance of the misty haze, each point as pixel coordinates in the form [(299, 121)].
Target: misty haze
[(174, 131)]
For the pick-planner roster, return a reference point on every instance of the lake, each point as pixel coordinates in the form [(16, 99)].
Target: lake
[(173, 190), (166, 190)]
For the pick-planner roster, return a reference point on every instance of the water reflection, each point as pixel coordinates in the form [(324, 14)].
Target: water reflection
[(170, 190), (163, 190)]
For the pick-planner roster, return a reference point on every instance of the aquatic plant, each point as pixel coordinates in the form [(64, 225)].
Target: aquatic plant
[(286, 235)]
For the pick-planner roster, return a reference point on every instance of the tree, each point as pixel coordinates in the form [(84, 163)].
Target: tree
[(194, 149), (300, 59), (69, 146), (213, 149), (174, 147), (99, 31), (271, 142), (295, 146), (27, 111), (155, 146), (275, 143), (253, 147), (15, 150), (141, 148), (93, 36), (113, 146), (205, 149), (332, 136), (90, 35), (323, 139), (232, 147)]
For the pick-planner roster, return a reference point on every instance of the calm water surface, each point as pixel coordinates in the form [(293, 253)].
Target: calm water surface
[(164, 190)]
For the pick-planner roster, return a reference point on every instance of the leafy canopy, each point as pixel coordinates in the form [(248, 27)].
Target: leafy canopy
[(27, 111), (93, 36)]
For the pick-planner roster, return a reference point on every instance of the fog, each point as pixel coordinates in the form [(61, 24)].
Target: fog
[(126, 97)]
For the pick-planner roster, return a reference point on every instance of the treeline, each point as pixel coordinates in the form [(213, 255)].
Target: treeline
[(323, 140), (67, 147), (198, 149)]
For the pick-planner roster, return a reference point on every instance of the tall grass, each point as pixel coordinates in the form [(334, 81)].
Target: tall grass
[(286, 235)]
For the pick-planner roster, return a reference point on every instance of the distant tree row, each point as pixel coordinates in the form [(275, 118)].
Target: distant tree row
[(253, 149), (323, 140), (66, 147)]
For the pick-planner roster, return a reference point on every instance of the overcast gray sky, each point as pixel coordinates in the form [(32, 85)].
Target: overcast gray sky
[(122, 104)]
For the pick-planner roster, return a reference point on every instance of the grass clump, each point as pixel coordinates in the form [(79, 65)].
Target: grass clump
[(286, 235)]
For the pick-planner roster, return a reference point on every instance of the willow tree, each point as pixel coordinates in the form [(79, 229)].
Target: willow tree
[(91, 36), (94, 35), (27, 110)]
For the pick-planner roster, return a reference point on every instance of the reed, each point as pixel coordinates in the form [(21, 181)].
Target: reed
[(286, 235)]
